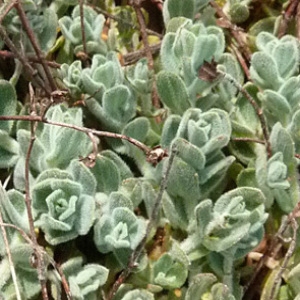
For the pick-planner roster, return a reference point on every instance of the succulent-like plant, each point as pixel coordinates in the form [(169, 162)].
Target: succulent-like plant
[(64, 202)]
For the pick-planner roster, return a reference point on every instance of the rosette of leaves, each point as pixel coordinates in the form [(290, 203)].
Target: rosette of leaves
[(276, 61), (185, 49), (170, 271), (63, 202), (117, 228), (200, 165), (228, 222), (54, 147), (276, 176), (84, 280), (9, 148), (141, 80), (71, 77), (110, 100), (93, 26)]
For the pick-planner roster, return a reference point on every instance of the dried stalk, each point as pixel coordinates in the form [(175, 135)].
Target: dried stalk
[(35, 45), (139, 249), (137, 7)]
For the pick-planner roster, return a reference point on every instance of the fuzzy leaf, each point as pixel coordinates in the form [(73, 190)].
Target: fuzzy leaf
[(9, 150), (172, 92), (8, 103), (264, 71)]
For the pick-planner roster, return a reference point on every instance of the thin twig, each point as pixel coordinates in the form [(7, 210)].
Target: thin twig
[(234, 30), (54, 264), (137, 7), (34, 43), (6, 8), (286, 259), (108, 134), (37, 252), (287, 15), (28, 68), (275, 240), (9, 256), (139, 249), (298, 22), (30, 57), (241, 60), (256, 107), (133, 57), (81, 10), (122, 21), (246, 139)]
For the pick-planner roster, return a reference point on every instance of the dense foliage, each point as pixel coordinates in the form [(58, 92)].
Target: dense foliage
[(149, 164)]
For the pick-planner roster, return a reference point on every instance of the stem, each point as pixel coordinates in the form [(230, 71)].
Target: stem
[(37, 252), (137, 7), (108, 134), (257, 109), (139, 249), (35, 45), (82, 26)]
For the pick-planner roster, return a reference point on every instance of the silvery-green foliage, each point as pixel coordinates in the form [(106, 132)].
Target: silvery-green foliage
[(9, 148), (42, 20), (138, 294), (111, 101), (27, 276), (275, 176), (93, 26), (54, 147), (239, 10), (206, 285), (84, 280), (185, 48), (275, 62), (200, 165), (13, 211), (182, 8), (63, 202), (228, 222), (117, 228), (141, 81), (71, 76), (171, 269)]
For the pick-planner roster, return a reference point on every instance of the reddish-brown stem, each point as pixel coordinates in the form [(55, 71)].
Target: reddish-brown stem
[(82, 26), (234, 30), (40, 260), (139, 249), (29, 70), (256, 108), (241, 60), (108, 134), (8, 6), (137, 7), (35, 45), (30, 57), (287, 16), (298, 21)]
